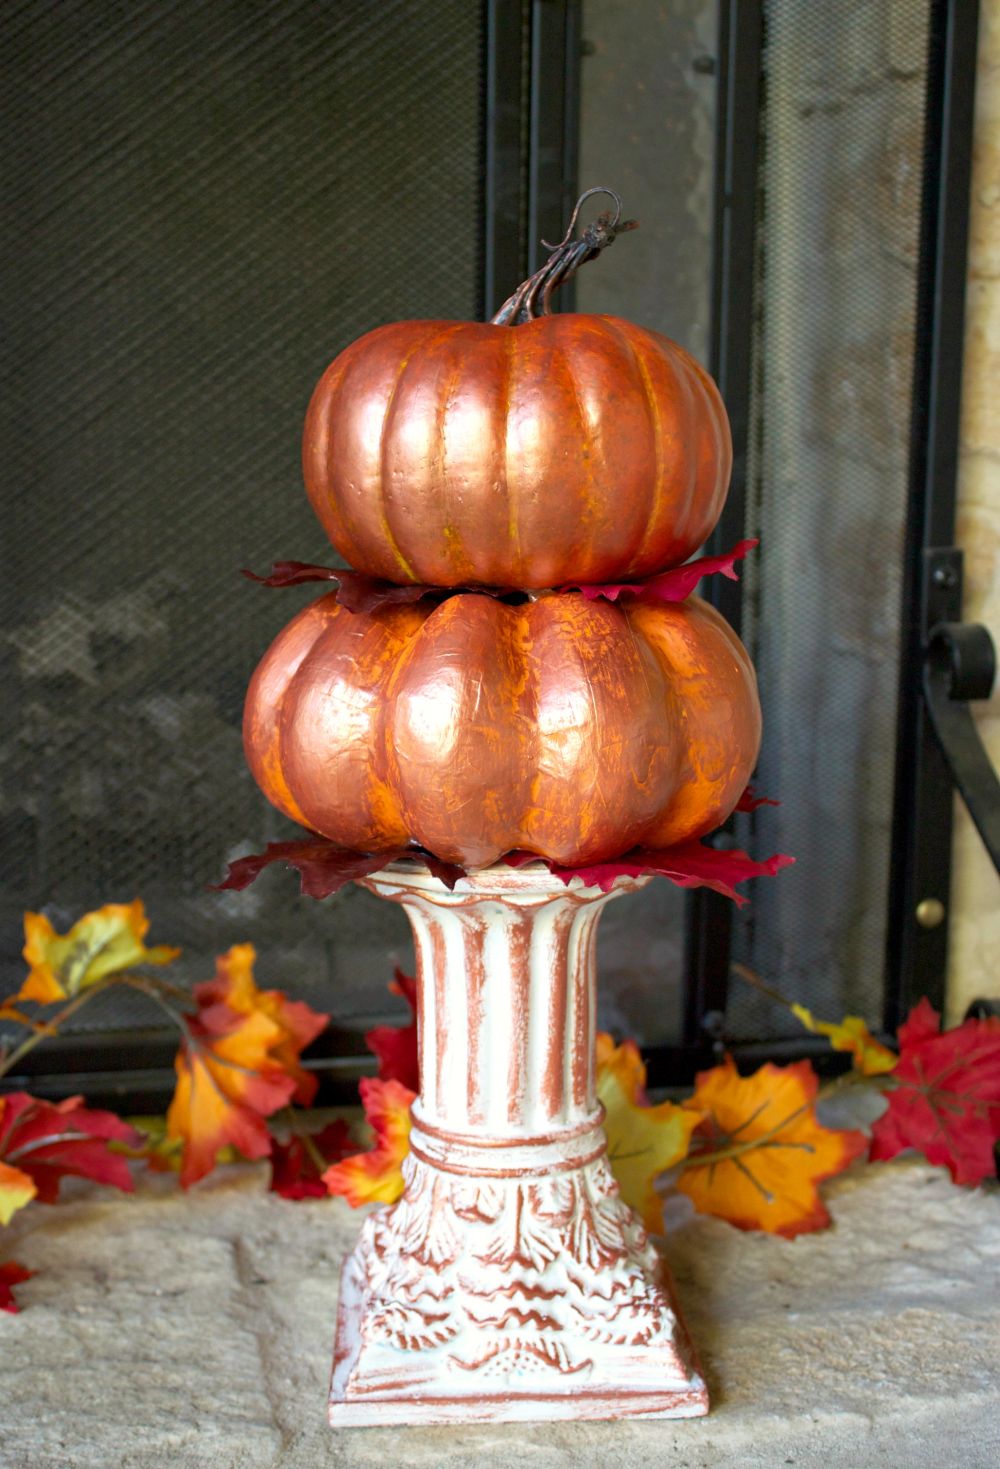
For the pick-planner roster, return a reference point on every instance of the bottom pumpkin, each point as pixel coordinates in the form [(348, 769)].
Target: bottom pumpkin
[(571, 728)]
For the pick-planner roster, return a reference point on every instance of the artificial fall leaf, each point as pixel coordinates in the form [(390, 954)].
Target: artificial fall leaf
[(159, 1152), (871, 1058), (11, 1274), (375, 1177), (99, 944), (687, 865), (228, 1081), (643, 1141), (48, 1141), (298, 1165), (675, 585), (770, 1151), (946, 1097), (16, 1189), (324, 868), (625, 1062), (234, 986), (395, 1046), (360, 593), (353, 589), (750, 801)]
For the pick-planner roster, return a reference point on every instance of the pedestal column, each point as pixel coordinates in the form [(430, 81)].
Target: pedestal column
[(510, 1281)]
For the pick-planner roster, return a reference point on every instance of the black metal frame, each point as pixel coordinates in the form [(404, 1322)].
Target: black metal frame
[(532, 90), (741, 27), (916, 954)]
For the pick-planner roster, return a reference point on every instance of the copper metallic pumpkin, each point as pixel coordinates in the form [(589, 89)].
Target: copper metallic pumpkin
[(571, 447), (570, 728)]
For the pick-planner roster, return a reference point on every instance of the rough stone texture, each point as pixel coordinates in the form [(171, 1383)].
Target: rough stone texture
[(197, 1331), (975, 923)]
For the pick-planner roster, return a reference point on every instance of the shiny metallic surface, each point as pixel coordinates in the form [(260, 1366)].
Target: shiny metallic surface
[(930, 912), (569, 448), (570, 728)]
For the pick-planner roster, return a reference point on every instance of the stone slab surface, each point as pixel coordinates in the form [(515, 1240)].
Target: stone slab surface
[(196, 1332)]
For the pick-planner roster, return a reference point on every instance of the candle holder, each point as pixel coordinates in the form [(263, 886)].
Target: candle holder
[(510, 1282)]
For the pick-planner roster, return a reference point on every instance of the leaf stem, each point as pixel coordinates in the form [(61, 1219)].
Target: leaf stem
[(8, 1062)]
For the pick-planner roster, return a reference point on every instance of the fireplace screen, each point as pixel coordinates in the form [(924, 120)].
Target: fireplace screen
[(205, 203)]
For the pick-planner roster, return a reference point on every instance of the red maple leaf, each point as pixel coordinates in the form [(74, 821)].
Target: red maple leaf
[(324, 867), (11, 1274), (298, 1164), (396, 1045), (673, 585), (360, 593), (688, 865), (49, 1141), (946, 1097)]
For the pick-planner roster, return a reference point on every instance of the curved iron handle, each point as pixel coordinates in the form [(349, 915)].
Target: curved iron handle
[(960, 664)]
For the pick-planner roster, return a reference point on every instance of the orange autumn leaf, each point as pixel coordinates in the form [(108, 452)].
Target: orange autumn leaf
[(626, 1063), (375, 1177), (228, 1081), (643, 1141), (107, 941), (765, 1151), (234, 986), (871, 1058), (16, 1190)]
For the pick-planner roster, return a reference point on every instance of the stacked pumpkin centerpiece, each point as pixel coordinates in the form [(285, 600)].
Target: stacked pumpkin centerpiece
[(515, 686)]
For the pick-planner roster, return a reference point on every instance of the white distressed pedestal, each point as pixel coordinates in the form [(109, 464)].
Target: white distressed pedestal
[(509, 1282)]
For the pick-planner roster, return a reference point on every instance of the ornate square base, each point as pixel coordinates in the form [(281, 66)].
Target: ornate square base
[(530, 1292), (510, 1282), (389, 1387)]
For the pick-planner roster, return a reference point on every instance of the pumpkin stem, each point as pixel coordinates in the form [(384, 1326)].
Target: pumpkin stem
[(532, 297)]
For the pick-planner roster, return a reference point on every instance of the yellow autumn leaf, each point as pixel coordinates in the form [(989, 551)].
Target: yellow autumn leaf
[(643, 1141), (16, 1190), (107, 941), (852, 1034)]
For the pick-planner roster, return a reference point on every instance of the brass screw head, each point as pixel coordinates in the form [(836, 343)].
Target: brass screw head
[(930, 912)]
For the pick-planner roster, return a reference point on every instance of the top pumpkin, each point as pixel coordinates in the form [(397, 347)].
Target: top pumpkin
[(530, 451)]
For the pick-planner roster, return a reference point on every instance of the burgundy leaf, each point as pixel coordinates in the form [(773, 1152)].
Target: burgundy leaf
[(354, 590), (448, 872), (323, 867), (11, 1274), (293, 574), (360, 593), (688, 864), (395, 1046), (667, 586), (297, 1165), (749, 801)]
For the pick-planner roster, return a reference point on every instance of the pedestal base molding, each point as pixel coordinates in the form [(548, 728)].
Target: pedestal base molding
[(535, 1296)]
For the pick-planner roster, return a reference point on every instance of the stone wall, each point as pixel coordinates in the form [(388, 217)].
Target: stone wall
[(974, 967)]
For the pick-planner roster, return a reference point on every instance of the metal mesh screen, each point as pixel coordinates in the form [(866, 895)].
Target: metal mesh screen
[(842, 140), (203, 204), (647, 120)]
